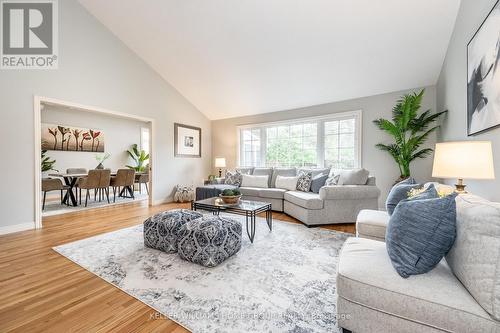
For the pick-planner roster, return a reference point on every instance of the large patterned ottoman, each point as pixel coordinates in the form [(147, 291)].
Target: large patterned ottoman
[(210, 240), (160, 230)]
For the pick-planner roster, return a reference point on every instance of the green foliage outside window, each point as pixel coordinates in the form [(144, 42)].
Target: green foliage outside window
[(289, 152)]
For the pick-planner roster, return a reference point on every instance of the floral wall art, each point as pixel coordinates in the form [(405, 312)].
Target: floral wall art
[(68, 138)]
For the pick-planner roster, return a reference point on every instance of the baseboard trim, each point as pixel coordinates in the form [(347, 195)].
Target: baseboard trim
[(16, 228), (161, 201)]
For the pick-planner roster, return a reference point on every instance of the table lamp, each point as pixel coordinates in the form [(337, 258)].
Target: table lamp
[(220, 162), (464, 159)]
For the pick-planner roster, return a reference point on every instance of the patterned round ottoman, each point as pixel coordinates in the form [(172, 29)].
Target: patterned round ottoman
[(160, 230), (210, 240)]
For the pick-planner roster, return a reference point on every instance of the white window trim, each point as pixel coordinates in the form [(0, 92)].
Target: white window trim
[(358, 114)]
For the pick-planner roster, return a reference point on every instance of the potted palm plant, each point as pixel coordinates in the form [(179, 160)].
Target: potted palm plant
[(140, 158), (409, 130), (47, 164)]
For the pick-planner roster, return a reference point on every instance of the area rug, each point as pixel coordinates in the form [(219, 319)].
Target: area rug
[(283, 282), (54, 207)]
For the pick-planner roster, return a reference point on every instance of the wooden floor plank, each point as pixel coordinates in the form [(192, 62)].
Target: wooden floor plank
[(42, 291)]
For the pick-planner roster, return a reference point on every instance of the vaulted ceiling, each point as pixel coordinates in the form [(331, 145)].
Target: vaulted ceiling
[(239, 57)]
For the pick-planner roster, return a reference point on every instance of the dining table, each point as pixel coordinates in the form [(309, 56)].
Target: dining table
[(70, 180)]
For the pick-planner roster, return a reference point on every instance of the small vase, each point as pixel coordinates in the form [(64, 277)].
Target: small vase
[(99, 166)]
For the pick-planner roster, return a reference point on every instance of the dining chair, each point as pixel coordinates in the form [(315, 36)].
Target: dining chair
[(52, 184), (96, 180), (74, 171), (142, 178), (125, 178)]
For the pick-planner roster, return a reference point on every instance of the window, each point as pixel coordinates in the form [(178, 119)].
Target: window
[(340, 143), (250, 147), (291, 145), (332, 140), (145, 139)]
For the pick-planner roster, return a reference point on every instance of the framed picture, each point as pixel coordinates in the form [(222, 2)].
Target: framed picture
[(69, 138), (483, 75), (187, 141)]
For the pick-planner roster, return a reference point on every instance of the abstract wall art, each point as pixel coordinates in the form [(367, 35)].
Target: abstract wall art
[(69, 138), (483, 75)]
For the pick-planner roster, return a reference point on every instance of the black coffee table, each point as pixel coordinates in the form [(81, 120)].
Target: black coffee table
[(247, 208)]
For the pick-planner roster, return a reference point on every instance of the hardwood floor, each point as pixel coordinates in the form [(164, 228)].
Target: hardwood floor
[(42, 291)]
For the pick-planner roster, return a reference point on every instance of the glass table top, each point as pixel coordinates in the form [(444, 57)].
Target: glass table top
[(242, 204)]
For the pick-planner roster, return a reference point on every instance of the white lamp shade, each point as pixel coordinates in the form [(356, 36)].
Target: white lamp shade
[(220, 162), (465, 159)]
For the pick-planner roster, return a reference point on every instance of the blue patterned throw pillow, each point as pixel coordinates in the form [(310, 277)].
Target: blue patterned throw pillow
[(421, 231), (399, 192)]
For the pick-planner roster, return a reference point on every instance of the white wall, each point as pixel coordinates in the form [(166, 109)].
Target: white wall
[(97, 69), (452, 92), (119, 134), (380, 164)]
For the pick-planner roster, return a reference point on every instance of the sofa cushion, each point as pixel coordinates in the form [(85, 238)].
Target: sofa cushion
[(250, 191), (285, 172), (437, 299), (372, 223), (475, 256), (349, 192), (421, 232), (314, 171), (245, 170), (399, 192), (353, 177), (273, 193), (287, 183), (254, 181), (264, 172), (307, 200)]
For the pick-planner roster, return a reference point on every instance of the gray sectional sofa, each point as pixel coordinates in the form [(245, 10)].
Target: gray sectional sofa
[(461, 294), (333, 204)]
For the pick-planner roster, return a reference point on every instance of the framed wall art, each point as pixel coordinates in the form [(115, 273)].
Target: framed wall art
[(69, 138), (483, 75), (187, 141)]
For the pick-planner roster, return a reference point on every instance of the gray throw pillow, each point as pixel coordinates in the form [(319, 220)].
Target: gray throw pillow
[(420, 233), (304, 182), (399, 192), (318, 182)]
